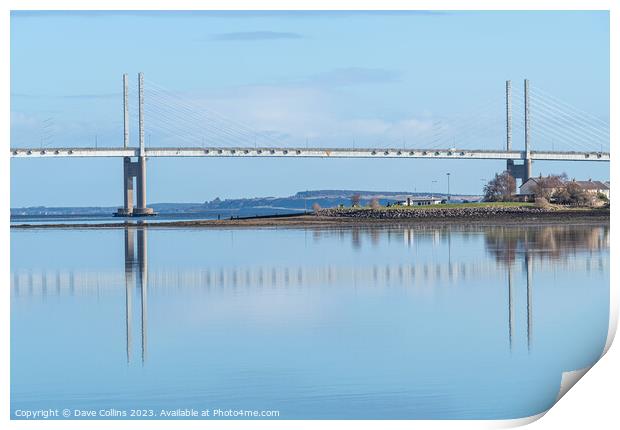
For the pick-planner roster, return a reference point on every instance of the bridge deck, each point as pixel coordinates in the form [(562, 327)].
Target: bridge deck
[(308, 153)]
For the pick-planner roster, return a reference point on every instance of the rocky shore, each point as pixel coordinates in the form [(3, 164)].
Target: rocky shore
[(456, 213)]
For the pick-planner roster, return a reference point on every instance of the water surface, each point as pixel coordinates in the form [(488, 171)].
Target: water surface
[(357, 323)]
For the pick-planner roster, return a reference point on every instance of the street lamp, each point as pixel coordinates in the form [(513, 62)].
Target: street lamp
[(432, 188), (448, 174)]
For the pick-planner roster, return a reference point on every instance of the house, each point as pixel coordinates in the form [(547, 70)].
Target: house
[(594, 187), (550, 185), (608, 184), (545, 186), (419, 201)]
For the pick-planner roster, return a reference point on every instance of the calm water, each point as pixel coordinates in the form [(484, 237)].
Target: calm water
[(109, 218), (451, 322)]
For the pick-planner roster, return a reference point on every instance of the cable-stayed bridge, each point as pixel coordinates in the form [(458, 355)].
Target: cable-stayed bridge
[(549, 128), (309, 153)]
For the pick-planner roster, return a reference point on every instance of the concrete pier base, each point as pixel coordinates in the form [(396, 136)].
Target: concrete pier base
[(143, 212), (137, 170)]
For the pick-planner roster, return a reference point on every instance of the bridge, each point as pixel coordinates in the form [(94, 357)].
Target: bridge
[(310, 153), (560, 123)]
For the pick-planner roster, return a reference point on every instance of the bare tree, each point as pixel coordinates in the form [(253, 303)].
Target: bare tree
[(355, 200), (316, 207), (374, 203), (501, 188), (573, 194), (546, 188)]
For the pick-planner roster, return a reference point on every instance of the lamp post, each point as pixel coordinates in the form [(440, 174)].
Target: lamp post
[(448, 175), (432, 188)]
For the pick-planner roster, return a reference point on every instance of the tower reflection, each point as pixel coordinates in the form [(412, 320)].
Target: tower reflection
[(136, 275), (425, 261)]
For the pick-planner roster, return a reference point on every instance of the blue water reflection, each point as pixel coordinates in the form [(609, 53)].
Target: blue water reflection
[(393, 323)]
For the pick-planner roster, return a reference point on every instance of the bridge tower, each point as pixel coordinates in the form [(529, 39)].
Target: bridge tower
[(518, 171), (134, 169)]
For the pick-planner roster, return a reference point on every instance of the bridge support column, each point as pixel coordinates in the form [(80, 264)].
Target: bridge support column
[(141, 209), (134, 169), (128, 185), (520, 171), (527, 169), (129, 172)]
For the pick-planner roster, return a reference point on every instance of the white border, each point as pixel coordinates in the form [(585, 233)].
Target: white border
[(593, 403)]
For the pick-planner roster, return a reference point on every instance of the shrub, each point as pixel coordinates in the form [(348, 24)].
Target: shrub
[(542, 203), (602, 197)]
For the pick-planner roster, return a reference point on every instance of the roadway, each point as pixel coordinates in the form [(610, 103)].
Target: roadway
[(309, 153)]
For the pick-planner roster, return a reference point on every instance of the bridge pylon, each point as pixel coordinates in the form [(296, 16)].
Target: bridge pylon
[(134, 169), (518, 171)]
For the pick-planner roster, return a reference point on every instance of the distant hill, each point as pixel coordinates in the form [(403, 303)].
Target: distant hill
[(301, 201), (325, 198), (349, 193)]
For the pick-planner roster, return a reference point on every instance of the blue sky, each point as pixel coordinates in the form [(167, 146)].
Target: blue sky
[(325, 78)]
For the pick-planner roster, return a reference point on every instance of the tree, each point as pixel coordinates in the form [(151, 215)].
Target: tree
[(355, 200), (316, 207), (573, 194), (548, 187), (562, 197), (578, 195), (374, 203), (501, 188)]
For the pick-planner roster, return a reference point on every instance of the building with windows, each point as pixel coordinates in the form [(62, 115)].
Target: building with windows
[(550, 185), (545, 186), (419, 201), (594, 187)]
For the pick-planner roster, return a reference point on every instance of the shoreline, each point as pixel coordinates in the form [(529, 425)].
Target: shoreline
[(504, 218)]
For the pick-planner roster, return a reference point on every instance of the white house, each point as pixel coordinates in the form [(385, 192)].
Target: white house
[(594, 187), (419, 201), (546, 185), (549, 185)]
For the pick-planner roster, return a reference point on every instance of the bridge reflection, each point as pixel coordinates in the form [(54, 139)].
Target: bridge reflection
[(136, 276), (525, 251)]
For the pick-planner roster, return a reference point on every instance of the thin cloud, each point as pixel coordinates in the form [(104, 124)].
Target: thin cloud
[(255, 35), (354, 76), (224, 13), (92, 96), (69, 96)]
